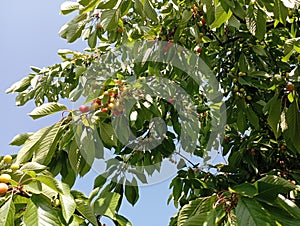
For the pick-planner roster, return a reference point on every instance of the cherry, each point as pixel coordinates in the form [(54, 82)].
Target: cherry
[(5, 178), (290, 87), (104, 110), (199, 50), (98, 101), (112, 99), (203, 21), (196, 170), (7, 159), (3, 188), (95, 106), (99, 26), (110, 106), (120, 30), (84, 108), (15, 166)]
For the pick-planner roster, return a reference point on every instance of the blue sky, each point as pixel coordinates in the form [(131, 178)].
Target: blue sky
[(29, 36)]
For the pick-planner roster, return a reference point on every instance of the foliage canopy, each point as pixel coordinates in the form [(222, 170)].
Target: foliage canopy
[(248, 56)]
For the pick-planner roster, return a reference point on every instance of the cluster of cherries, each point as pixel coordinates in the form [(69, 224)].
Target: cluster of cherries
[(5, 178), (106, 103)]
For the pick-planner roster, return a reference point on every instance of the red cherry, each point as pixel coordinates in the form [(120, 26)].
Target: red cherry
[(112, 94), (99, 26), (203, 21), (290, 87), (199, 50), (3, 188), (104, 110), (84, 108), (98, 101), (120, 30), (95, 106)]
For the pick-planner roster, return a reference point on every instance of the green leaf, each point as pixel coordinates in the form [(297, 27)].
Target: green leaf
[(186, 16), (150, 12), (245, 189), (107, 4), (19, 86), (47, 145), (260, 24), (139, 8), (274, 112), (50, 182), (107, 204), (100, 180), (92, 41), (87, 148), (252, 117), (259, 51), (122, 220), (34, 187), (47, 109), (20, 139), (243, 63), (40, 213), (108, 135), (34, 166), (177, 189), (67, 202), (293, 122), (288, 206), (198, 212), (132, 191), (73, 29), (68, 7), (7, 213), (249, 212), (270, 186), (109, 19), (120, 125), (241, 121), (221, 17), (85, 209), (74, 156), (26, 152), (90, 6), (280, 11)]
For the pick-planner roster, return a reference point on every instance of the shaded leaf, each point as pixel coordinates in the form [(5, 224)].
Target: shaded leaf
[(250, 213), (67, 202), (7, 213), (40, 213)]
